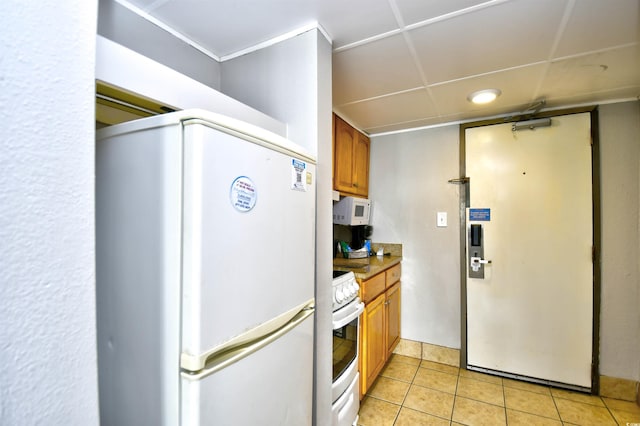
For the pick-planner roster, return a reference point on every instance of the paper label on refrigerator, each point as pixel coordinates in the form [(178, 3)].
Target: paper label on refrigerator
[(300, 177), (243, 194)]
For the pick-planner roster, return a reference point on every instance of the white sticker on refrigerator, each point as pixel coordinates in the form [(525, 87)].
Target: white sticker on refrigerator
[(243, 194), (300, 178)]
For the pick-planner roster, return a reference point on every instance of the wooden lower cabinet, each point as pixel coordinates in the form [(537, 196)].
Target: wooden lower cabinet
[(392, 306), (374, 348), (380, 330)]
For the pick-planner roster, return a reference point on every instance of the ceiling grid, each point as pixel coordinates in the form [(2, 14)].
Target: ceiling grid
[(406, 63)]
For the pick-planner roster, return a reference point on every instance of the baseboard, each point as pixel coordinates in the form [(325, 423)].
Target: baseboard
[(428, 352), (624, 389)]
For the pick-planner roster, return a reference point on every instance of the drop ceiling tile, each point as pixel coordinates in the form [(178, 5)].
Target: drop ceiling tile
[(373, 69), (503, 43), (226, 26), (414, 124), (417, 11), (229, 26), (355, 20), (602, 71), (517, 86), (488, 39), (393, 109), (491, 113), (597, 24), (616, 95)]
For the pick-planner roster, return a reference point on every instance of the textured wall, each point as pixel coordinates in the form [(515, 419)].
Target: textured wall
[(408, 186), (47, 303), (620, 185), (280, 80)]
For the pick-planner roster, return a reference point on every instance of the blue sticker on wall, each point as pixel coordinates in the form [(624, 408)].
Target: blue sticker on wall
[(483, 215)]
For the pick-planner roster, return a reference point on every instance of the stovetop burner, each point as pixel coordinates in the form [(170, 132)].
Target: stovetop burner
[(337, 274)]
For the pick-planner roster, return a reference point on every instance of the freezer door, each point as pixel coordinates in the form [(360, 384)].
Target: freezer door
[(271, 386), (249, 237)]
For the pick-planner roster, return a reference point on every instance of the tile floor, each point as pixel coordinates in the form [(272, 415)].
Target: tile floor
[(410, 391)]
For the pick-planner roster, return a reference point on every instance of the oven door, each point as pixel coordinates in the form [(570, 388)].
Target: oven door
[(346, 322)]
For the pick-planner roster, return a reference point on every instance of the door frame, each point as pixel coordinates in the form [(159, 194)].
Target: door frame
[(597, 222)]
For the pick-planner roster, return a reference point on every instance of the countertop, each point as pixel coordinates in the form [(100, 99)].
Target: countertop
[(362, 270)]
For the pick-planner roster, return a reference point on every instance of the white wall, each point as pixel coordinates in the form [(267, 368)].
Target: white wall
[(122, 67), (620, 187), (324, 242), (48, 369), (291, 81), (280, 80), (121, 25), (408, 186)]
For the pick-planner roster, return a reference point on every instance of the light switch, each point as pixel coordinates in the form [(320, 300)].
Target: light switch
[(442, 219)]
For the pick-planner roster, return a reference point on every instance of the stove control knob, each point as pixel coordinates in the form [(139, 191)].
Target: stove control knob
[(339, 296), (354, 287), (347, 291)]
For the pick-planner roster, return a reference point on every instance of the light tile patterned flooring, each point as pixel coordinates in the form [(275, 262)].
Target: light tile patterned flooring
[(410, 391)]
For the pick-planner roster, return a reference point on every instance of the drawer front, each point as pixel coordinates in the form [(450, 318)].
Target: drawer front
[(393, 275), (372, 287)]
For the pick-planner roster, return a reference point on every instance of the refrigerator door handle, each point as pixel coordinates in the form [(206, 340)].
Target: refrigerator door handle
[(243, 346)]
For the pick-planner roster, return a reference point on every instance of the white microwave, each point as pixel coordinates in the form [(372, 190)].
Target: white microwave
[(352, 211)]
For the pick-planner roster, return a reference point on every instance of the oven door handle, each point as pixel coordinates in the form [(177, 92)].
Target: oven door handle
[(354, 310)]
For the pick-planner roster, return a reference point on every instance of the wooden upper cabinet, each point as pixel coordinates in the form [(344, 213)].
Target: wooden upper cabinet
[(361, 164), (343, 147), (350, 160)]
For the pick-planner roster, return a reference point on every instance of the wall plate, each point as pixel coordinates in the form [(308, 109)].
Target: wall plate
[(441, 219)]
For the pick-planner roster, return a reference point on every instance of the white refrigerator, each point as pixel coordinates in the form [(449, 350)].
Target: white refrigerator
[(205, 273)]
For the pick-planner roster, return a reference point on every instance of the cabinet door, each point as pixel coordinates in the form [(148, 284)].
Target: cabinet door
[(392, 308), (361, 165), (374, 348), (343, 147)]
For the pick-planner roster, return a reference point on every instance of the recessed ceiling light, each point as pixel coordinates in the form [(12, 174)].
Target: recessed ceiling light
[(484, 96)]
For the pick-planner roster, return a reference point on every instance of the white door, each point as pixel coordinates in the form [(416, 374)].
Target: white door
[(531, 193)]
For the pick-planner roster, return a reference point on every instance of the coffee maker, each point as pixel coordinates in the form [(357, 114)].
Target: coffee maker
[(359, 234)]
